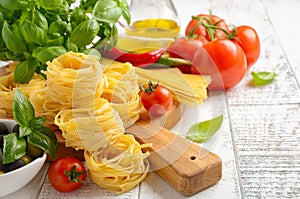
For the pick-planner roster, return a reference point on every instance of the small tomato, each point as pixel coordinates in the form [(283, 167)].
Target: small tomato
[(67, 174), (203, 25), (247, 38), (156, 99)]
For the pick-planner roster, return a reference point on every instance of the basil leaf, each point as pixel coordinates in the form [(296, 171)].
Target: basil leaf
[(13, 148), (60, 27), (47, 131), (37, 122), (33, 34), (34, 27), (25, 71), (15, 4), (42, 141), (36, 18), (54, 41), (49, 4), (84, 33), (202, 131), (77, 16), (24, 130), (125, 10), (263, 78), (12, 38), (49, 53), (23, 110), (107, 11)]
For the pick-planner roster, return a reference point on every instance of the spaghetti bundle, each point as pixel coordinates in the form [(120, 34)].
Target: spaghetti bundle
[(187, 88)]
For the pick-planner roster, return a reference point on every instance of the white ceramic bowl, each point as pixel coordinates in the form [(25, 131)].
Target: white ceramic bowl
[(16, 179)]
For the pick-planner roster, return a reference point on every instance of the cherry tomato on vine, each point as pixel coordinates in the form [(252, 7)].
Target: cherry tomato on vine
[(156, 99), (247, 38), (67, 174), (224, 60), (206, 25)]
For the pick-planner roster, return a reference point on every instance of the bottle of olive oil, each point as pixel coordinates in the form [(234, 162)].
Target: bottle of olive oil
[(154, 25)]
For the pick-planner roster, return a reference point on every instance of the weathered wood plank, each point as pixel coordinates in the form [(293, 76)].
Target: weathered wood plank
[(285, 19), (267, 138)]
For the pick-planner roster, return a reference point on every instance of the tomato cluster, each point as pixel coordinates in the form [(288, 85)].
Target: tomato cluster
[(217, 50)]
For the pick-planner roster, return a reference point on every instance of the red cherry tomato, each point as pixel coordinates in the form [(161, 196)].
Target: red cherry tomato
[(67, 174), (224, 60), (200, 27), (247, 38), (156, 99)]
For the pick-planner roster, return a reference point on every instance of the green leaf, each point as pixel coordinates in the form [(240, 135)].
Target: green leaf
[(43, 141), (263, 78), (15, 4), (202, 131), (13, 148), (24, 130), (54, 41), (123, 4), (49, 4), (84, 33), (107, 11), (47, 131), (49, 53), (37, 122), (25, 71), (77, 16), (34, 27), (60, 27), (23, 110), (12, 38)]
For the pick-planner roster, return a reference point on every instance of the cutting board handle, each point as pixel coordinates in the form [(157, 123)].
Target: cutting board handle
[(185, 165)]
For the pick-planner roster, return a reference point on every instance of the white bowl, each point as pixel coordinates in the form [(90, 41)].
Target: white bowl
[(16, 179)]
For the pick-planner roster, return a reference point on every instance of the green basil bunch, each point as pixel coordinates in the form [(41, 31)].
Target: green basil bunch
[(36, 31), (32, 130)]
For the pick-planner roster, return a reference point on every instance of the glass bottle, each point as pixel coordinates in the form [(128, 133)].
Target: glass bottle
[(154, 24)]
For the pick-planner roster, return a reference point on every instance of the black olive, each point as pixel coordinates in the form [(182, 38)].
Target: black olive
[(1, 165), (16, 128), (3, 129), (13, 166), (1, 141)]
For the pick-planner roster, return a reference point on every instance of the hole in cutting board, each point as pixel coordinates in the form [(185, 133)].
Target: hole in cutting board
[(193, 157)]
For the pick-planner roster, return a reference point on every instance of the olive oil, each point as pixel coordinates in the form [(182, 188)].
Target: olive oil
[(148, 34)]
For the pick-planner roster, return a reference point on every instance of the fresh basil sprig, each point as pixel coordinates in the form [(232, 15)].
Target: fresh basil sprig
[(31, 130), (202, 131), (34, 32)]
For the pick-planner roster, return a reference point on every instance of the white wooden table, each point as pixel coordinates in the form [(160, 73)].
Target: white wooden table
[(259, 141)]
